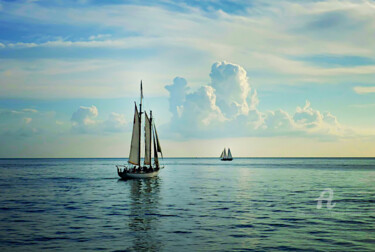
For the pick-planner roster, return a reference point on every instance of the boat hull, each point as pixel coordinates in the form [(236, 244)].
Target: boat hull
[(227, 159), (124, 172), (133, 175)]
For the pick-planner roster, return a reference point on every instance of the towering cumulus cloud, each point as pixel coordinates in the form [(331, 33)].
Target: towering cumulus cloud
[(177, 94), (212, 107), (232, 88), (227, 107)]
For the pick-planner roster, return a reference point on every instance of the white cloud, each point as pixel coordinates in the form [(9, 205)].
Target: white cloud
[(84, 120), (306, 121), (201, 113), (197, 113), (212, 106), (315, 122), (278, 121), (307, 117), (22, 45), (232, 88), (209, 109), (177, 92), (12, 113), (1, 44), (99, 36), (364, 90), (224, 98), (200, 106), (25, 122), (100, 42), (115, 123)]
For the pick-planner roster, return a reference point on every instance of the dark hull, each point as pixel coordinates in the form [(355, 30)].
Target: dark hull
[(226, 159), (132, 173)]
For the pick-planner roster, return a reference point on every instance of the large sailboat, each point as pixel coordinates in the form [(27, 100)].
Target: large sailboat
[(226, 157), (135, 169)]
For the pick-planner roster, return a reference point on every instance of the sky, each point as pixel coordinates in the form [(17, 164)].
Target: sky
[(265, 78)]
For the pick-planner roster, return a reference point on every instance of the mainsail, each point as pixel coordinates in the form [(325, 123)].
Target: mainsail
[(229, 154), (147, 160), (135, 155)]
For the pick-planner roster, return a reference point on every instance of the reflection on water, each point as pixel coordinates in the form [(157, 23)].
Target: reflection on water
[(144, 211)]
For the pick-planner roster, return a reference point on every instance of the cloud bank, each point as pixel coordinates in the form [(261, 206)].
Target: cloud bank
[(364, 90), (227, 107)]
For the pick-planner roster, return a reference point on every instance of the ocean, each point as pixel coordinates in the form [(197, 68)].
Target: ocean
[(196, 204)]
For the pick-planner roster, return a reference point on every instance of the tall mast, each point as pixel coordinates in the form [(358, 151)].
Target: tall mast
[(151, 137), (140, 124)]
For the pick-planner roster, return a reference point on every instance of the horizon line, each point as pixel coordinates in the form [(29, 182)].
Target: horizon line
[(317, 157)]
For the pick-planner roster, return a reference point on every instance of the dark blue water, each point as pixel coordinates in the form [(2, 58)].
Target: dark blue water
[(194, 205)]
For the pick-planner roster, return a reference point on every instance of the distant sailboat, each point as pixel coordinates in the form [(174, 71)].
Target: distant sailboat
[(135, 169), (226, 157)]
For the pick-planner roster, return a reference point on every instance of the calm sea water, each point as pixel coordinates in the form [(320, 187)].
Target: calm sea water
[(194, 205)]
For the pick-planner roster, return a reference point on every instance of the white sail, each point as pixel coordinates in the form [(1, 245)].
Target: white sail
[(156, 158), (229, 154), (225, 153), (147, 160), (222, 154), (135, 155), (157, 142)]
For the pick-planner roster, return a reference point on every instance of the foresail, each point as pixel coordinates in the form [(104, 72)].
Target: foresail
[(157, 142), (222, 154), (147, 160), (134, 156)]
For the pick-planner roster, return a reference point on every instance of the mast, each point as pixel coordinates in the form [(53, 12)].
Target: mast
[(140, 123), (156, 158), (147, 160), (151, 138)]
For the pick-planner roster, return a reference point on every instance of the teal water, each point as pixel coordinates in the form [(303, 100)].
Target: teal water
[(194, 205)]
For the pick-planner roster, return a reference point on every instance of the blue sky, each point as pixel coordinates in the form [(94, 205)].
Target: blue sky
[(258, 73)]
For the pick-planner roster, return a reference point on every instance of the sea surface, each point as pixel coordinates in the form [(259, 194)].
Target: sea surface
[(202, 204)]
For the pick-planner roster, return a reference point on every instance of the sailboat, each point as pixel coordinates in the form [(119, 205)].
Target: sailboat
[(135, 169), (226, 157)]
